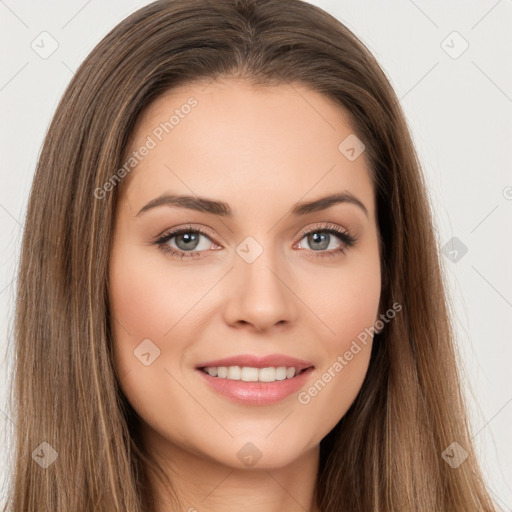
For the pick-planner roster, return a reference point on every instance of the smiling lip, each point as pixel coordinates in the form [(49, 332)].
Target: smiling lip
[(257, 393)]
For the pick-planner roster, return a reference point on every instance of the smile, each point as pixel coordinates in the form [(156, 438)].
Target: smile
[(263, 386), (251, 374)]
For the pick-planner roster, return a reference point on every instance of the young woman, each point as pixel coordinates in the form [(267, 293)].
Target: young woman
[(230, 294)]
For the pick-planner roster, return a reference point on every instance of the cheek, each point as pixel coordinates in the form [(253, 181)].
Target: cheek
[(348, 308), (145, 303), (347, 301), (147, 296)]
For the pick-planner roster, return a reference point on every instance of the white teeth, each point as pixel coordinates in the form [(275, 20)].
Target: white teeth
[(234, 373), (281, 373), (290, 372), (249, 374)]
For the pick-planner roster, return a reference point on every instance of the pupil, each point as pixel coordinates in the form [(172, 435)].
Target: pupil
[(323, 239), (189, 238)]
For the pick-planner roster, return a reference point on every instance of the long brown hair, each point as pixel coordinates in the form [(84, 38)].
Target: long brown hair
[(385, 454)]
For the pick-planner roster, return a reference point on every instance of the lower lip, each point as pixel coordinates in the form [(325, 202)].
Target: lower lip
[(256, 393)]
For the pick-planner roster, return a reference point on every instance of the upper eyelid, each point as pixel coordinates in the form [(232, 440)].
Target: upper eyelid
[(325, 226)]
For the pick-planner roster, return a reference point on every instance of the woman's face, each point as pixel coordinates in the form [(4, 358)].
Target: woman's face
[(267, 277)]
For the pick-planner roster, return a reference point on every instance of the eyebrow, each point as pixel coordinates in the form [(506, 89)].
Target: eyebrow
[(220, 208)]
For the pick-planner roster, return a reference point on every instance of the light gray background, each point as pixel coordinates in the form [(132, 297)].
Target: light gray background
[(459, 108)]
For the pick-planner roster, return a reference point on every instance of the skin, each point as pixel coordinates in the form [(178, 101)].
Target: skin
[(261, 150)]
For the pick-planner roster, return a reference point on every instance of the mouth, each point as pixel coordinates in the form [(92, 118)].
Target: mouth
[(250, 381)]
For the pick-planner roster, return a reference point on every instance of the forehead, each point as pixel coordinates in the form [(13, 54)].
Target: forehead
[(235, 141)]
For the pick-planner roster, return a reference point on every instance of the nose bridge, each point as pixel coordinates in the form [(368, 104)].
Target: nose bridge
[(259, 287)]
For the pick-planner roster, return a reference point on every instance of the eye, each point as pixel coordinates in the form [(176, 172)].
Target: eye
[(323, 237), (186, 242)]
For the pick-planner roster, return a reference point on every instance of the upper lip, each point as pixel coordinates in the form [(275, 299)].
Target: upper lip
[(252, 361)]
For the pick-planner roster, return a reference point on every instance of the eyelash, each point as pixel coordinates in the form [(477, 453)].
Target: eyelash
[(346, 238)]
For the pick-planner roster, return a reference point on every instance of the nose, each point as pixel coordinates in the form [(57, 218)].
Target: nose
[(260, 294)]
